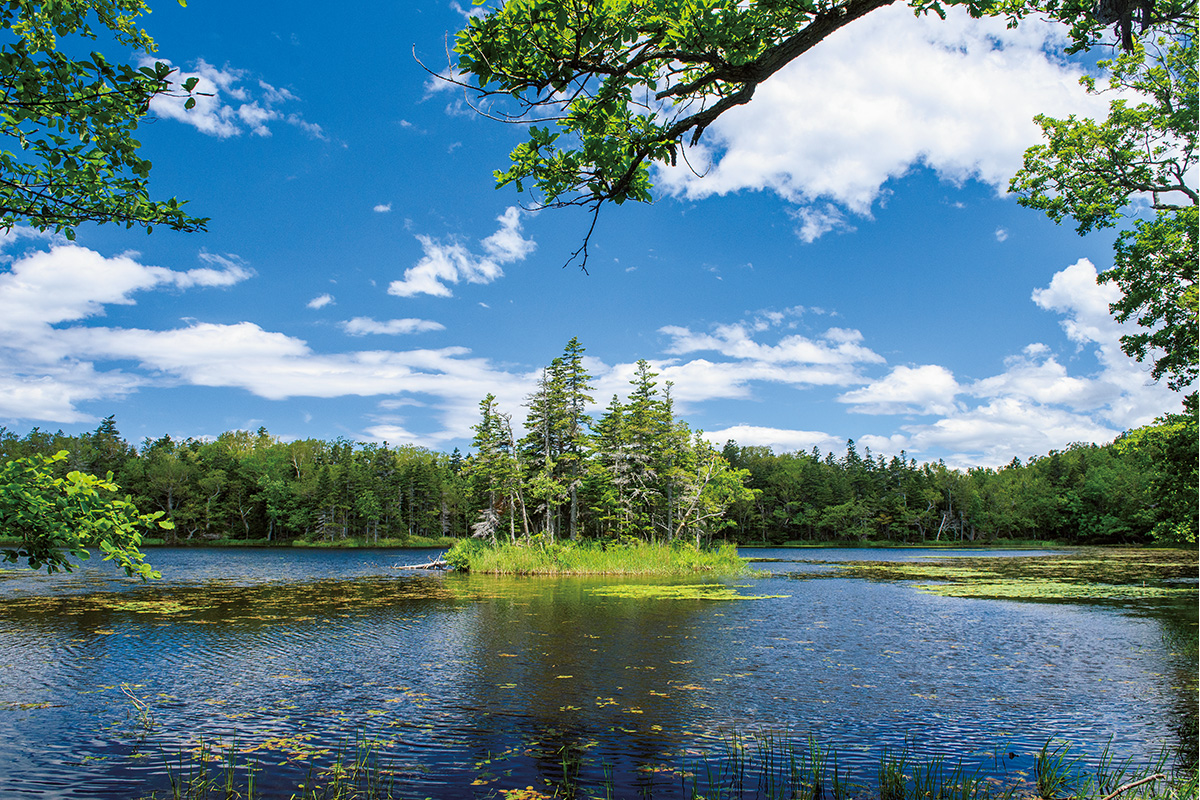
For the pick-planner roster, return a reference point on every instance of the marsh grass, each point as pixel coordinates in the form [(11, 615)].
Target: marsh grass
[(356, 773), (593, 558), (763, 766), (1108, 573)]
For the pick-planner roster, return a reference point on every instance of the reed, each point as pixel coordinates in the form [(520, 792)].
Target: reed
[(355, 774), (593, 558), (763, 766)]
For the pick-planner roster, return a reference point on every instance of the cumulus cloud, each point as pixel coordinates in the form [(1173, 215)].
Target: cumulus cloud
[(69, 282), (226, 105), (451, 262), (889, 93), (43, 376), (57, 355), (993, 433), (362, 326), (1042, 400), (779, 439), (382, 208), (52, 341), (929, 389)]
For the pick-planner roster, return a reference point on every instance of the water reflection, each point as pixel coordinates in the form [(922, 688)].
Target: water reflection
[(511, 681)]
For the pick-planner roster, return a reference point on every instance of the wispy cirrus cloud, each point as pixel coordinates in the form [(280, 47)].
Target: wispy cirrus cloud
[(228, 102), (363, 326)]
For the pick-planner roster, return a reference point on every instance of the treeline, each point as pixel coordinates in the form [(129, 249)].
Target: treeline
[(254, 486), (1140, 488), (634, 471)]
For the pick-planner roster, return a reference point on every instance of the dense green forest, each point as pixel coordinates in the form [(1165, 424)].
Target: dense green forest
[(634, 471)]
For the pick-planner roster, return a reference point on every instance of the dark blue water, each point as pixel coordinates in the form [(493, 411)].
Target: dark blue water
[(287, 655)]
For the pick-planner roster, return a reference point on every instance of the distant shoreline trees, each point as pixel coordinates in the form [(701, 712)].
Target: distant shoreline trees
[(635, 471)]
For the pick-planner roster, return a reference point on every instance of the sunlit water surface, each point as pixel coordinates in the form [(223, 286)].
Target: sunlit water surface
[(477, 683)]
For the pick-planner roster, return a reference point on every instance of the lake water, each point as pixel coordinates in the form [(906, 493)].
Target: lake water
[(475, 684)]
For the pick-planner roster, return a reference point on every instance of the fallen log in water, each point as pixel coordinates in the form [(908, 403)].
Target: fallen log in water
[(437, 563)]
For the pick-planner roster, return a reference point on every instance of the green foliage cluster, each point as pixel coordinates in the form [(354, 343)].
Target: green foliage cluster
[(69, 155), (635, 472), (1109, 173), (246, 486), (57, 517), (1140, 488)]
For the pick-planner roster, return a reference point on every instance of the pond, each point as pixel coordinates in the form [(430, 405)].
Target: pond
[(471, 685)]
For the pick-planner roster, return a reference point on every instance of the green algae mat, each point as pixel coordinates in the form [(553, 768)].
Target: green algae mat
[(1096, 573)]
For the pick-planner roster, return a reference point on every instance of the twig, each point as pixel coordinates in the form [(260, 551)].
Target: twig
[(1155, 777)]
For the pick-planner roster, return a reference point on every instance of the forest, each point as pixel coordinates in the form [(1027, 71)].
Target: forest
[(634, 471)]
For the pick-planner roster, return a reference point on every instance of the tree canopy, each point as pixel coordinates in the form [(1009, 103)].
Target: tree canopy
[(69, 154), (610, 88), (54, 517), (1135, 170)]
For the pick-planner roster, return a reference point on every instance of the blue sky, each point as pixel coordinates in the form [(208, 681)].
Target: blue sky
[(848, 267)]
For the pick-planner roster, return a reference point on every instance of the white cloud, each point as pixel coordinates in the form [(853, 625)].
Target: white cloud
[(70, 283), (992, 434), (928, 389), (56, 354), (886, 94), (779, 439), (361, 326), (320, 301), (451, 262), (1039, 402), (382, 208), (1001, 234), (1035, 405), (49, 359), (837, 346), (43, 376), (225, 106), (816, 221)]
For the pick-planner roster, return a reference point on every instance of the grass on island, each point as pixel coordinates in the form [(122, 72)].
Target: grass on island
[(624, 557)]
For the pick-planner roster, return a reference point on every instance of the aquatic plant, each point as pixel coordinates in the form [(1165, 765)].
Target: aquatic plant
[(355, 774), (1084, 574), (764, 766), (1053, 774)]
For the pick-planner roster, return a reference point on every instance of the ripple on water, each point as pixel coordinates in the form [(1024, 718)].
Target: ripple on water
[(449, 671)]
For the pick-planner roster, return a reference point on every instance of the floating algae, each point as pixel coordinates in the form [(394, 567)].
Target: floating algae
[(1119, 574), (685, 591), (1033, 589)]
